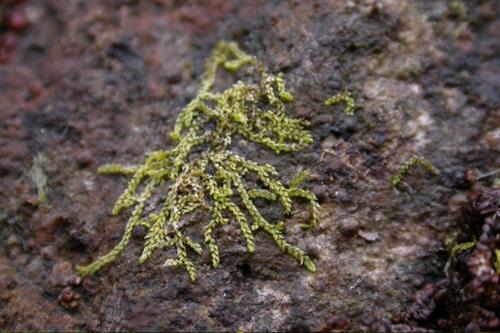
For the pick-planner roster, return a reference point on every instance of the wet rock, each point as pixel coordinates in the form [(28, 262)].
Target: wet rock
[(337, 322), (321, 192), (49, 252), (348, 226), (63, 274), (329, 142), (84, 158)]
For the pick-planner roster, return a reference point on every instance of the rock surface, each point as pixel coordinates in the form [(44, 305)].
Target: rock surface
[(90, 82)]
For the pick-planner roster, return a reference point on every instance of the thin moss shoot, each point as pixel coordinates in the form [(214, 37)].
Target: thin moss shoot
[(497, 260), (202, 173), (405, 167), (346, 98), (456, 250)]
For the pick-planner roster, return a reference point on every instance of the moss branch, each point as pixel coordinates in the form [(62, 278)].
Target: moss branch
[(211, 179)]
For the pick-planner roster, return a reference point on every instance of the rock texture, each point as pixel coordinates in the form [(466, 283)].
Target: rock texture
[(90, 82)]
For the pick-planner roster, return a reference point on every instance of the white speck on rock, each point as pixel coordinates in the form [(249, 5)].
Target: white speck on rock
[(369, 236), (415, 89), (420, 127), (89, 184)]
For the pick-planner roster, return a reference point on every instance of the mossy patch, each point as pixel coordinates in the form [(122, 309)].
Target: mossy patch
[(201, 172)]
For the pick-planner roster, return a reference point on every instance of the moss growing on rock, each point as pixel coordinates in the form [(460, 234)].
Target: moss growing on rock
[(346, 98), (405, 167), (201, 173)]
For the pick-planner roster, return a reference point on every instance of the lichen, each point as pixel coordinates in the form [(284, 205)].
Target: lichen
[(346, 98), (39, 177), (405, 167), (461, 247), (202, 173), (497, 260)]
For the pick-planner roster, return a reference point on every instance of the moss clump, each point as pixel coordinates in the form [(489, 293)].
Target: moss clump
[(201, 173), (346, 98), (405, 167)]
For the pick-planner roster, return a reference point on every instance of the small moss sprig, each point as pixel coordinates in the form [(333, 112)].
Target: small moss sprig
[(346, 98), (497, 260), (201, 173), (459, 248), (405, 167), (456, 250)]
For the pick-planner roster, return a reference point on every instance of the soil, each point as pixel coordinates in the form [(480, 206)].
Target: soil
[(91, 82)]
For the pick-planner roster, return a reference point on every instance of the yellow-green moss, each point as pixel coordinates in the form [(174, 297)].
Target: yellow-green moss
[(497, 260), (211, 179), (459, 248), (405, 167), (346, 98)]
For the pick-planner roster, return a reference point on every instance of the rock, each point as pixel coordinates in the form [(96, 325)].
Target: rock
[(368, 235), (87, 83)]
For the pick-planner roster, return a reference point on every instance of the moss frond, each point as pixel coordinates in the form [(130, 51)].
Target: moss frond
[(459, 248), (456, 250), (405, 167), (346, 98), (211, 179), (497, 260)]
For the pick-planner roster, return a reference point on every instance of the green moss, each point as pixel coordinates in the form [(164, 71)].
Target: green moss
[(459, 248), (346, 98), (201, 173), (497, 260), (405, 167)]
